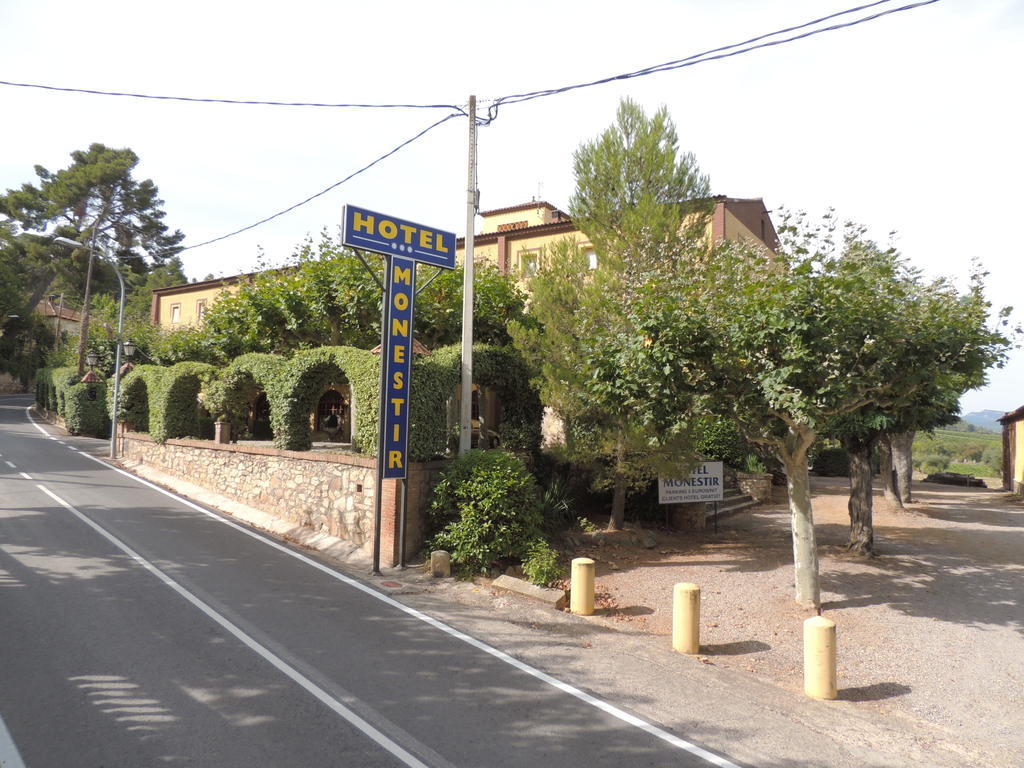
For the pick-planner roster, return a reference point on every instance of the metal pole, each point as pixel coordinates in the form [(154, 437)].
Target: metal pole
[(380, 418), (60, 311), (117, 364), (466, 404)]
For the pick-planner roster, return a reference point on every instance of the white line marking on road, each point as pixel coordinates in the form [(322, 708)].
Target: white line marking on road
[(10, 464), (27, 477), (319, 693), (9, 756), (61, 442), (593, 701)]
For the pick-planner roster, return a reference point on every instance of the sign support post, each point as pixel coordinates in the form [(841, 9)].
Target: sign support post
[(403, 245)]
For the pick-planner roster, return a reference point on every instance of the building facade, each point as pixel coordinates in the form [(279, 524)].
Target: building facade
[(1013, 450)]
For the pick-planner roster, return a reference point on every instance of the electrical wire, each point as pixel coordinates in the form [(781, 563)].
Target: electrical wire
[(324, 191), (713, 54), (199, 100)]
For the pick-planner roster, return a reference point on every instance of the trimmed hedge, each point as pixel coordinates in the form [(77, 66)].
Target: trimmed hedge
[(165, 400), (61, 391), (174, 400), (302, 382)]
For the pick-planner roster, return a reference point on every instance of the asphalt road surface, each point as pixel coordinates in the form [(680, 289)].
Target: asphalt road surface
[(139, 629)]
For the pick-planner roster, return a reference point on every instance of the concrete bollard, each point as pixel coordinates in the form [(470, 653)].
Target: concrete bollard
[(581, 587), (820, 658), (440, 564), (686, 618)]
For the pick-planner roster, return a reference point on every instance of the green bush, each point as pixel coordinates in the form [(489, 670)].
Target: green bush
[(935, 462), (832, 462), (541, 564), (485, 508), (85, 411), (174, 405), (720, 440)]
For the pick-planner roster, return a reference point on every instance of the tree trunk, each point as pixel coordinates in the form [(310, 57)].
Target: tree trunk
[(805, 548), (83, 334), (903, 460), (888, 472), (335, 330), (618, 516), (862, 537)]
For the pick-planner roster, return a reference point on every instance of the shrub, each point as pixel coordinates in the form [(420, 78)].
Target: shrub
[(485, 508), (541, 564), (174, 405), (720, 440), (935, 462), (832, 462), (85, 411)]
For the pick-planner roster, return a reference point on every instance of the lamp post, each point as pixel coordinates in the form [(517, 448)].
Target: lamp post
[(120, 337)]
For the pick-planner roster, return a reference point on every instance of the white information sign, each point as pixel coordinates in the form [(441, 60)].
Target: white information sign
[(703, 484)]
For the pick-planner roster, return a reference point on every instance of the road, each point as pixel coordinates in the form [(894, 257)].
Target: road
[(140, 629)]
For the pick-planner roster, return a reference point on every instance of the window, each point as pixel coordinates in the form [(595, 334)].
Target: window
[(175, 313), (528, 261), (200, 310)]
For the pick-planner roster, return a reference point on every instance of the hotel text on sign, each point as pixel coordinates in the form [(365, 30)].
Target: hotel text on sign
[(380, 233), (703, 484), (397, 351)]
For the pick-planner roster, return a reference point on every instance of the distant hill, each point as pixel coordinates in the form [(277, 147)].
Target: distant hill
[(985, 420)]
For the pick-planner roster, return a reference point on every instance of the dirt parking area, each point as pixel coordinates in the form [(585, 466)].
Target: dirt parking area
[(932, 628)]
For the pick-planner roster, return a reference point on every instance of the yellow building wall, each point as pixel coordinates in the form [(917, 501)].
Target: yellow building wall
[(532, 216), (1018, 464), (188, 305)]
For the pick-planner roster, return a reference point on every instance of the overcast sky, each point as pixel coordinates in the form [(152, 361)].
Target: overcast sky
[(909, 123)]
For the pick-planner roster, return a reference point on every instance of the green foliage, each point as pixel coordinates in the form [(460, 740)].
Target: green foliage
[(304, 379), (497, 301), (97, 194), (82, 406), (719, 439), (831, 462), (541, 564), (557, 505), (931, 463), (85, 411), (174, 400), (485, 508), (504, 372), (634, 192), (754, 465)]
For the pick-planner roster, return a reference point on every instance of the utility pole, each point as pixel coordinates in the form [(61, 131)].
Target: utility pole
[(466, 403)]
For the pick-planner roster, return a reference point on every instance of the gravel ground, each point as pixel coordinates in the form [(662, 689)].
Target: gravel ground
[(932, 628)]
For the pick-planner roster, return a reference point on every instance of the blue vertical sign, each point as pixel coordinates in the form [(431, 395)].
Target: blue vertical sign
[(397, 364)]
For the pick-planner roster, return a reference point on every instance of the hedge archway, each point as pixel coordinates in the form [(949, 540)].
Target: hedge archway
[(229, 396), (302, 381), (174, 402)]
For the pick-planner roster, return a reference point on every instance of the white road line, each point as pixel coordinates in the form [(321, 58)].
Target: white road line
[(10, 464), (583, 696), (27, 477), (9, 756), (319, 693)]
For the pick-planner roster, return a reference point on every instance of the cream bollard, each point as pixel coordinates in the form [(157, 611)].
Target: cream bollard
[(820, 658), (686, 618), (581, 587)]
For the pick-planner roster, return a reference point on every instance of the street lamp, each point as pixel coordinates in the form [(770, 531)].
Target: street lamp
[(120, 338), (92, 359)]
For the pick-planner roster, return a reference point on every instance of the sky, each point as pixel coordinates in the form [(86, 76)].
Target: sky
[(909, 123)]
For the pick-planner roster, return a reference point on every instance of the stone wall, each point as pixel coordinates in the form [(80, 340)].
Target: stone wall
[(326, 492)]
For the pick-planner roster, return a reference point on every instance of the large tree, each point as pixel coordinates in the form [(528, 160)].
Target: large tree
[(96, 200), (799, 341), (639, 200)]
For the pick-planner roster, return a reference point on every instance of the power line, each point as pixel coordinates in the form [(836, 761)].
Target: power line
[(199, 100), (714, 54), (324, 191)]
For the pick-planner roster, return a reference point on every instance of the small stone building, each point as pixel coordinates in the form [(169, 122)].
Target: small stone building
[(1013, 450)]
